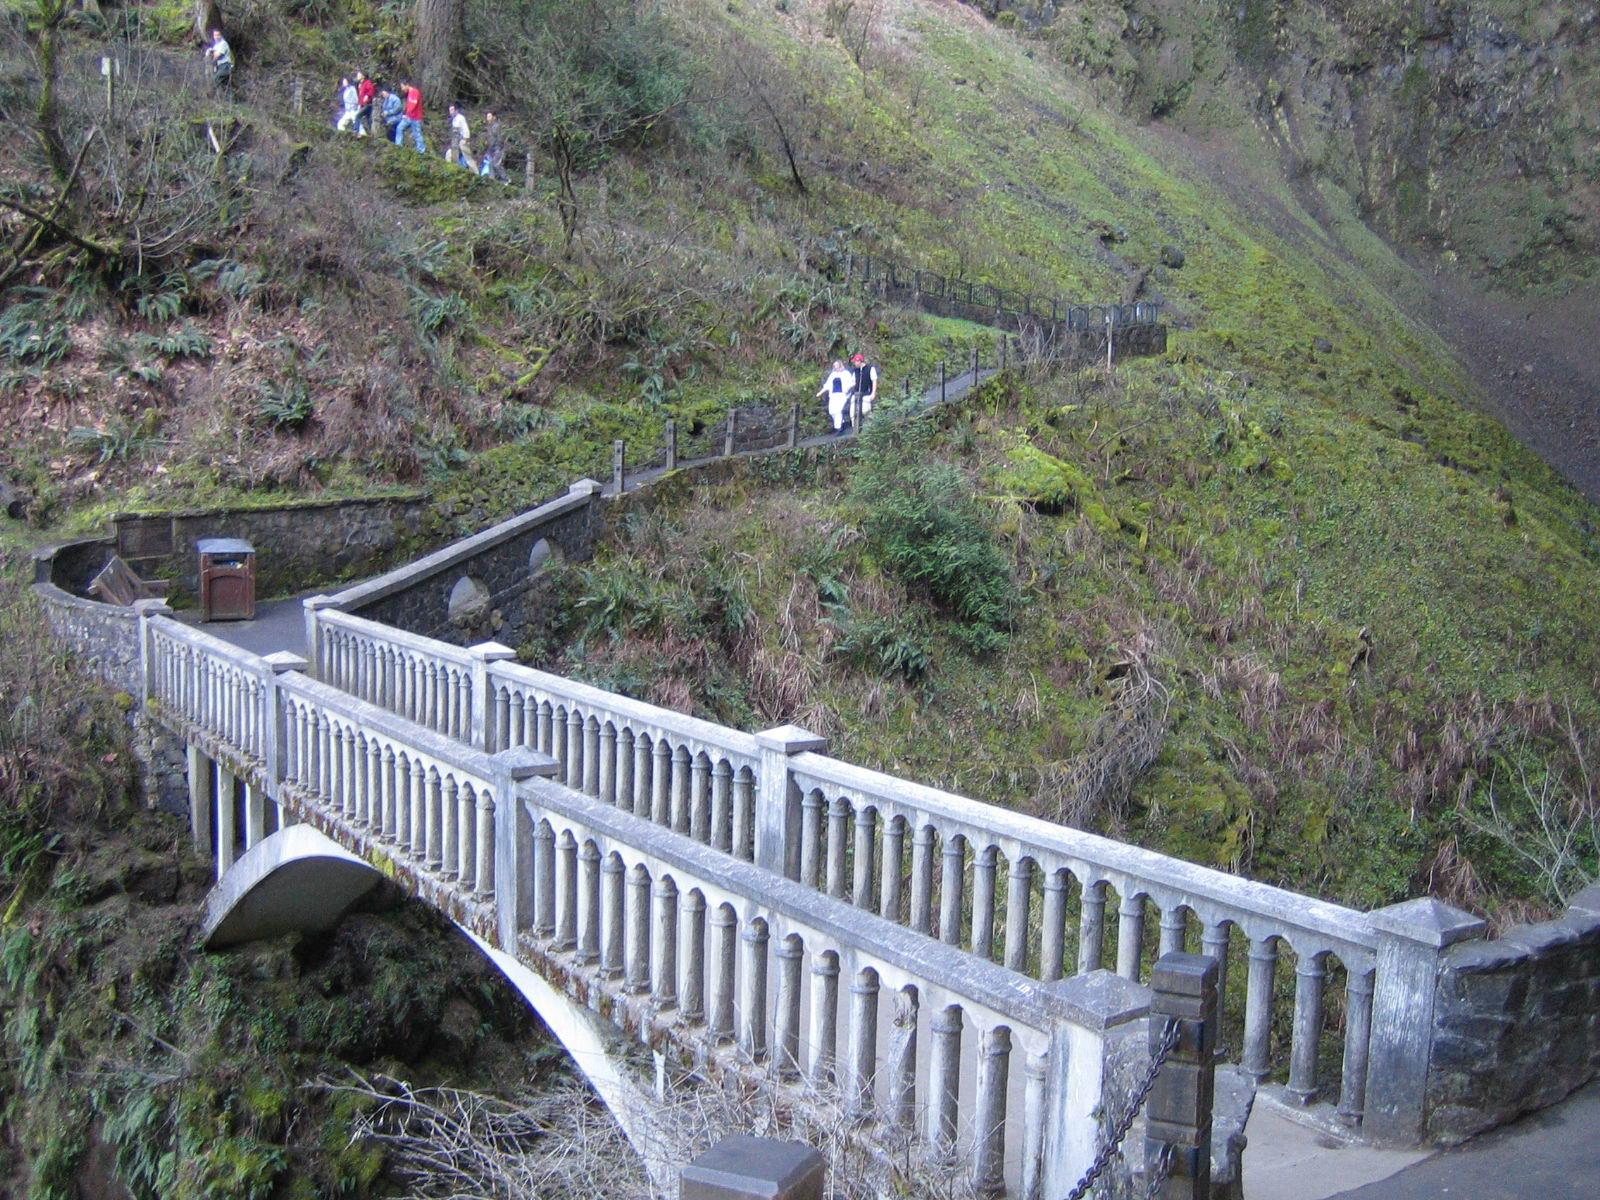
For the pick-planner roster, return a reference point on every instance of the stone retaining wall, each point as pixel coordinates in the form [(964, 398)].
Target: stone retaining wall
[(1516, 1022), (484, 586), (104, 636)]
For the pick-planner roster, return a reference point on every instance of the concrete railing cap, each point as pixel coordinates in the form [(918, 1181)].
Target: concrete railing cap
[(1429, 922), (791, 739)]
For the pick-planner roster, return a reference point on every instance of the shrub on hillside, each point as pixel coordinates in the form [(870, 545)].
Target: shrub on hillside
[(923, 523)]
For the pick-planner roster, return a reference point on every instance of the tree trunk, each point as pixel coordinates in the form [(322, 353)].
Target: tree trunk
[(207, 16), (439, 38)]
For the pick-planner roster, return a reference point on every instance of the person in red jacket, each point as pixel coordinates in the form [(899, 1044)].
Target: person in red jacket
[(411, 118), (366, 92)]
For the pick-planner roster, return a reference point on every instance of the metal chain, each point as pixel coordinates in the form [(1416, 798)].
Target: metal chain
[(1169, 1040), (1158, 1177)]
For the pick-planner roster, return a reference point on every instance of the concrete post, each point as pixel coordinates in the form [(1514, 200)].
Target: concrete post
[(1357, 1042), (730, 438), (1019, 895), (721, 814), (692, 932), (513, 840), (664, 945), (544, 881), (922, 879), (983, 869), (611, 875), (1309, 975), (1257, 1058), (778, 798), (276, 740), (902, 1109), (811, 805), (638, 966), (952, 882), (790, 954), (824, 1019), (838, 819), (941, 381), (483, 733), (754, 1040), (894, 835), (619, 477), (148, 610), (1130, 936), (751, 1168), (1412, 938), (944, 1079), (1178, 1113), (589, 904), (863, 1043), (671, 445), (201, 788), (861, 875), (567, 892), (793, 438), (724, 926), (1052, 945), (313, 606), (989, 1138), (255, 815), (227, 799)]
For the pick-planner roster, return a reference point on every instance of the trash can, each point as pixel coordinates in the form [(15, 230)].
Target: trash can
[(227, 579)]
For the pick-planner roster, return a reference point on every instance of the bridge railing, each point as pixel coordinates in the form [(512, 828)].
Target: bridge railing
[(918, 1041), (418, 678), (218, 688)]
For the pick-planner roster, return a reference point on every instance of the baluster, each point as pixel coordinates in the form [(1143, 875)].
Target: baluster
[(608, 763), (810, 837), (461, 682), (1258, 1008), (450, 820), (824, 1018), (989, 1157), (394, 798), (1357, 1040), (433, 705), (1035, 1073), (504, 731), (903, 1061), (983, 870), (573, 777), (754, 1042), (744, 814), (421, 836), (611, 883), (1091, 927), (1174, 925), (589, 912), (1130, 936), (1309, 973), (567, 892), (790, 952), (380, 810), (944, 1079), (724, 927), (591, 757), (692, 913), (517, 733), (680, 790), (894, 835), (1019, 896), (951, 886), (922, 879), (700, 799), (545, 725), (665, 945), (721, 796), (643, 758), (866, 836), (625, 758), (639, 929), (544, 881), (863, 1042), (1052, 947), (1214, 944), (483, 869), (838, 817), (661, 783)]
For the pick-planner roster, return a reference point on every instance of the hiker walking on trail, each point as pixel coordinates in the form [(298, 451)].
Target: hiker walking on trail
[(837, 387), (391, 109), (411, 118), (221, 56), (866, 385), (494, 149), (460, 138), (349, 105), (366, 93)]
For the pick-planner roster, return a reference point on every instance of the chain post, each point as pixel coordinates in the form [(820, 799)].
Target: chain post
[(1178, 1124)]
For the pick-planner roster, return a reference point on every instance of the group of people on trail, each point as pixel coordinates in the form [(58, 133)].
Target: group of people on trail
[(845, 386), (401, 113)]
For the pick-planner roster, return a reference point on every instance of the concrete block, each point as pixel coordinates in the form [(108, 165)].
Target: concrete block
[(743, 1168)]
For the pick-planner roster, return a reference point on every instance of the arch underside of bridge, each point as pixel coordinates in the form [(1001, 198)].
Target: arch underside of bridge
[(300, 880)]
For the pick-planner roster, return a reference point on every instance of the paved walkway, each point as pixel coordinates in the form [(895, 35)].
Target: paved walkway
[(279, 625)]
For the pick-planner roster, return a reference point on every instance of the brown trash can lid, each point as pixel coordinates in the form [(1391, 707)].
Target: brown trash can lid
[(224, 546)]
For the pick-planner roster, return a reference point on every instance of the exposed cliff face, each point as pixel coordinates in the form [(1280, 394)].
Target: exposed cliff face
[(1470, 127)]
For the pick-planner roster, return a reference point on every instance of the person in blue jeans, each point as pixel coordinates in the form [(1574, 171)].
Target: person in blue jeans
[(411, 118)]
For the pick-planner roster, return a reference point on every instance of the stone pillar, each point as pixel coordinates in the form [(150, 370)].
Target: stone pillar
[(591, 757), (777, 831), (226, 830), (1173, 927), (450, 865), (731, 439), (983, 868), (671, 434), (680, 790), (894, 835), (481, 733), (944, 1079), (316, 646), (544, 881), (424, 828), (589, 904), (467, 839), (1309, 973), (902, 1110), (639, 929), (1019, 894), (700, 799), (1178, 1114), (622, 797), (724, 929), (1035, 1075), (513, 840), (255, 815), (824, 1018), (1214, 939), (1357, 1040), (721, 799), (202, 791), (661, 783), (922, 879), (608, 763), (643, 757), (754, 1040), (1257, 1058), (838, 819), (567, 891), (1130, 936), (664, 973), (619, 466), (744, 815), (612, 957), (573, 763), (790, 954), (1412, 938), (811, 805), (989, 1137), (1052, 944), (951, 884), (866, 836), (863, 1042), (751, 1168), (148, 610), (692, 932), (793, 439)]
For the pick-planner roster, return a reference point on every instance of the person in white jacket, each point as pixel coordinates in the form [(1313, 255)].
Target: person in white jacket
[(351, 100), (837, 388), (460, 151)]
